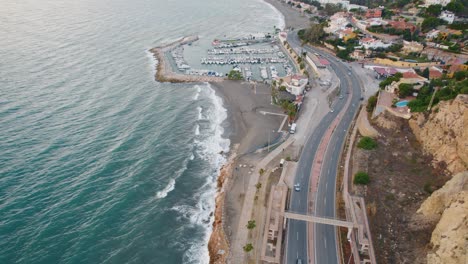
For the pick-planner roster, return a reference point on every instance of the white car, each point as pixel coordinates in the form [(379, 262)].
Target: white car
[(297, 187)]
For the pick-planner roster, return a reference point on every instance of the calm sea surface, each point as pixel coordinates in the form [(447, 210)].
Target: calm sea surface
[(98, 162)]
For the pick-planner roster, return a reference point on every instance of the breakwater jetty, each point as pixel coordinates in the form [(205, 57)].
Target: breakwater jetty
[(164, 71)]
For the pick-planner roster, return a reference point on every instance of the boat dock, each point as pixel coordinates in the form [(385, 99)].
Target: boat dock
[(241, 60), (164, 71)]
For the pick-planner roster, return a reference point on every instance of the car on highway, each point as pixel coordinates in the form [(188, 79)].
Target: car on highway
[(349, 73), (297, 187), (299, 261), (331, 110)]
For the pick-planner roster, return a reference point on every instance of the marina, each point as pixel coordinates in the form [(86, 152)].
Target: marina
[(266, 60)]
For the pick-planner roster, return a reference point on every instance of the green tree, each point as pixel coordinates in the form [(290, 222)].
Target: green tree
[(404, 90), (361, 178), (430, 23), (235, 75), (331, 9), (313, 34), (433, 10), (251, 224), (425, 72), (248, 247), (460, 75), (371, 103), (456, 7), (367, 143)]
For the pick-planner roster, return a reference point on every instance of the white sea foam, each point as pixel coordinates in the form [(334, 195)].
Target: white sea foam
[(197, 94), (164, 192), (154, 63), (200, 110), (281, 20), (210, 149), (197, 129)]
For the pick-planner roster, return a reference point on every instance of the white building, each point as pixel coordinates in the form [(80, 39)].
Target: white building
[(337, 22), (371, 43), (447, 16), (434, 33), (297, 84), (437, 2)]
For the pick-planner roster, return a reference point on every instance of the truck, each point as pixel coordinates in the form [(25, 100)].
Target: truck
[(292, 129)]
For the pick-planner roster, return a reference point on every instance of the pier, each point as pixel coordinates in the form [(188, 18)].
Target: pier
[(164, 71)]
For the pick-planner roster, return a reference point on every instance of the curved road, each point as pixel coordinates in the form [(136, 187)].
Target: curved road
[(325, 244)]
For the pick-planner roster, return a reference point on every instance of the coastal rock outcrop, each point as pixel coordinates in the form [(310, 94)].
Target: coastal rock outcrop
[(448, 206), (444, 134)]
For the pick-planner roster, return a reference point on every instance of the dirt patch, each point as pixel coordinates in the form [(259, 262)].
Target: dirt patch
[(401, 179)]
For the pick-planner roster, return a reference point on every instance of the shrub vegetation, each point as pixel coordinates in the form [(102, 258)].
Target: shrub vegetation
[(367, 143), (361, 178)]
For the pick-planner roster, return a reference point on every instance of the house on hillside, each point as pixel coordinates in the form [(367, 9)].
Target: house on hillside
[(374, 13), (357, 55), (434, 33), (371, 43), (435, 72), (337, 22), (412, 46), (447, 16), (346, 34), (402, 25), (382, 72), (436, 2)]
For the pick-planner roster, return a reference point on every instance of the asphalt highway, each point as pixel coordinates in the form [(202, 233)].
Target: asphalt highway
[(325, 244)]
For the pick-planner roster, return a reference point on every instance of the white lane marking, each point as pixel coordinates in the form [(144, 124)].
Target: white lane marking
[(297, 254), (326, 186), (325, 241), (297, 235), (325, 201)]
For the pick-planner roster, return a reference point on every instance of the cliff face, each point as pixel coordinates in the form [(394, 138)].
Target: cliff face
[(448, 206), (444, 134)]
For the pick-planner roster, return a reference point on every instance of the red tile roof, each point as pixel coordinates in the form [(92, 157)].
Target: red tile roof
[(434, 74), (409, 75)]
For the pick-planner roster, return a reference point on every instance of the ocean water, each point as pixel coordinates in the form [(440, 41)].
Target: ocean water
[(99, 163)]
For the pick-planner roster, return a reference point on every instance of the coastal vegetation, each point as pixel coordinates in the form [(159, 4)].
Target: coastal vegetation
[(251, 224), (235, 75), (248, 247), (361, 178), (390, 80), (367, 143), (441, 90), (314, 34), (371, 103), (405, 89)]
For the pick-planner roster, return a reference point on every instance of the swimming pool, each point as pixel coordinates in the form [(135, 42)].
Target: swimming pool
[(402, 103)]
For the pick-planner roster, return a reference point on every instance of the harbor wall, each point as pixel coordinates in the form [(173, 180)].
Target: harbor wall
[(164, 70)]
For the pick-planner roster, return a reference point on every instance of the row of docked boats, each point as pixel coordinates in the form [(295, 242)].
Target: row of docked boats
[(241, 60), (178, 57), (230, 51)]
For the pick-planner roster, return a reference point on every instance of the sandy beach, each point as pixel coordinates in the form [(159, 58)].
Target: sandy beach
[(292, 17), (249, 130)]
